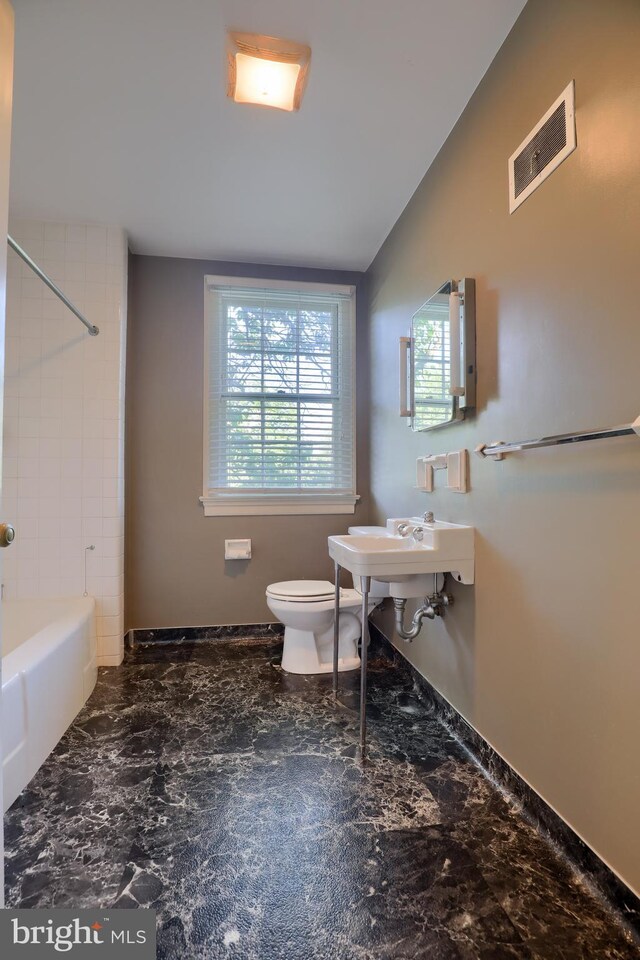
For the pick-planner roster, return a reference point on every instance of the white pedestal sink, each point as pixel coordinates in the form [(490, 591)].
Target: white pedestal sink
[(406, 563), (391, 558)]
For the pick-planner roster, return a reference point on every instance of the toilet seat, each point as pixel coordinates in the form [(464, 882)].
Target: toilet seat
[(302, 591)]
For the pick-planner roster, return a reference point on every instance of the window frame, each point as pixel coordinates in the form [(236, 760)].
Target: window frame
[(234, 502)]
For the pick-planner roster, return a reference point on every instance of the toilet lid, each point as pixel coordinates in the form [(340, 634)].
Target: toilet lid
[(301, 590)]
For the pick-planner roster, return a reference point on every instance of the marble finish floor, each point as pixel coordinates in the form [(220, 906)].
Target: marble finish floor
[(202, 781)]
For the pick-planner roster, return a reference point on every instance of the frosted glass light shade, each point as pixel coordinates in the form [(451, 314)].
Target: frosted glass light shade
[(266, 71), (267, 82)]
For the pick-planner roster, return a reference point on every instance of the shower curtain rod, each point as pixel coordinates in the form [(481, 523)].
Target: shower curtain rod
[(93, 330)]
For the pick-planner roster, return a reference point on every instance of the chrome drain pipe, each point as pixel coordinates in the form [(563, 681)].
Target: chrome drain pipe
[(432, 607), (426, 610)]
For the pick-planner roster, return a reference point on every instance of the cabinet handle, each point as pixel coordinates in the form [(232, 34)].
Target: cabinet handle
[(457, 388), (406, 378)]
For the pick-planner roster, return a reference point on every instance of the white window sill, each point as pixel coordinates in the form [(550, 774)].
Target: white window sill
[(274, 505)]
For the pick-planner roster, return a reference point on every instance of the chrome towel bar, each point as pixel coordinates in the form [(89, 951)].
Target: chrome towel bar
[(498, 450), (91, 327)]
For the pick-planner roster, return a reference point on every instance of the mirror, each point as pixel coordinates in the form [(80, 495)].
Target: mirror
[(437, 373)]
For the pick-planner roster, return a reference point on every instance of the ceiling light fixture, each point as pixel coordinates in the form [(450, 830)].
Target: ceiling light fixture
[(266, 70)]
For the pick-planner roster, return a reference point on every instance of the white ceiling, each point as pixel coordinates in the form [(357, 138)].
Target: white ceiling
[(121, 116)]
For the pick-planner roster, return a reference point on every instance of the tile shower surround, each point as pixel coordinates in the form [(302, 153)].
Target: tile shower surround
[(63, 477), (203, 781)]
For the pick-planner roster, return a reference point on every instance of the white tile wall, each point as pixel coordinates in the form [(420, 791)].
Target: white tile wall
[(63, 465)]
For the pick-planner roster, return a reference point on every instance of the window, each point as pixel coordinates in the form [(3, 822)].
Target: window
[(279, 398)]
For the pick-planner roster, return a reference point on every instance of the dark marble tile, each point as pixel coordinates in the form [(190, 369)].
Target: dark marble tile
[(68, 834), (531, 805), (203, 781), (231, 631)]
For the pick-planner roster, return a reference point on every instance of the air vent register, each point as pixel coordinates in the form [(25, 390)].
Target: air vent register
[(549, 143)]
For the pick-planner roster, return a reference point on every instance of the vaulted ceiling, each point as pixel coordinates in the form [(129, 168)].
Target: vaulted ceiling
[(121, 116)]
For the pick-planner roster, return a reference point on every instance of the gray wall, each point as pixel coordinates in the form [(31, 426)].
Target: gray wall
[(543, 654), (176, 574)]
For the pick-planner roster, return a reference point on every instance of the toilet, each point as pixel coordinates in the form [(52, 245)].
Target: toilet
[(305, 607)]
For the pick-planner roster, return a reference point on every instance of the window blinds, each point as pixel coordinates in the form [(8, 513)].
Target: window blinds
[(432, 370), (281, 391)]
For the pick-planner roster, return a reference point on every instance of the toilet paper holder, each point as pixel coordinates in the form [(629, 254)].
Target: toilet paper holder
[(237, 549)]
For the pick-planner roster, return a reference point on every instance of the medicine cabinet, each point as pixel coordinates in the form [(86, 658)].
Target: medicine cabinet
[(438, 358)]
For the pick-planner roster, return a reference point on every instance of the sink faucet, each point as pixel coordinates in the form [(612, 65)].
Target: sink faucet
[(416, 531)]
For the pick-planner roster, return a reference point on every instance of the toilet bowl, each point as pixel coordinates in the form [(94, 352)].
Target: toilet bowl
[(305, 607)]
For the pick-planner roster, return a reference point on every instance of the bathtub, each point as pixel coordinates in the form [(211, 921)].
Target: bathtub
[(49, 668)]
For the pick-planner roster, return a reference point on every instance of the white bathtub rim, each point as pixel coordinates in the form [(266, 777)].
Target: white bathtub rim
[(48, 677), (49, 637)]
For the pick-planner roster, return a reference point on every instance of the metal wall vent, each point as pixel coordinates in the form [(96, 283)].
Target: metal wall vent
[(544, 149)]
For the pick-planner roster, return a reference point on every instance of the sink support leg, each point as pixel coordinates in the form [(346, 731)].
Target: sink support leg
[(365, 586), (336, 629)]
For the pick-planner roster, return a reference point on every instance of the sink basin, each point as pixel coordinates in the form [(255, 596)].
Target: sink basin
[(445, 548)]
